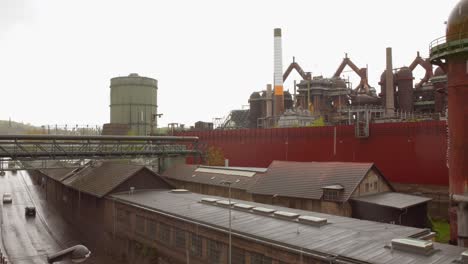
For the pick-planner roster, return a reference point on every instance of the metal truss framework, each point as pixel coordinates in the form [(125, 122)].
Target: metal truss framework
[(28, 148)]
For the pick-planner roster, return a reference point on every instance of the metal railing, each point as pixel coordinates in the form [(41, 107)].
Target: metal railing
[(456, 40), (70, 129)]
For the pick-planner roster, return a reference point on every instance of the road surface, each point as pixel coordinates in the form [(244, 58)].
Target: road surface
[(30, 239)]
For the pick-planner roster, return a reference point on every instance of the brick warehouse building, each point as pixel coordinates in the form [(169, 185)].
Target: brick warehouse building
[(78, 193), (357, 190), (162, 226)]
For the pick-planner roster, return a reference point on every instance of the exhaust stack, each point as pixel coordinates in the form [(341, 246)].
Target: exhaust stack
[(278, 74), (389, 93)]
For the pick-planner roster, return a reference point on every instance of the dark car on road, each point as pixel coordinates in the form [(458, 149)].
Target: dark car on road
[(30, 211)]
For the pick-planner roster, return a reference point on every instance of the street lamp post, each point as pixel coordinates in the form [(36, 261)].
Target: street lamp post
[(230, 233), (76, 254)]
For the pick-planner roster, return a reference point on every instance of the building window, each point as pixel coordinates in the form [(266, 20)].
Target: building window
[(331, 195), (256, 258), (196, 246), (152, 229), (375, 185), (164, 233), (179, 235), (123, 218), (367, 186), (140, 224), (215, 252), (238, 256)]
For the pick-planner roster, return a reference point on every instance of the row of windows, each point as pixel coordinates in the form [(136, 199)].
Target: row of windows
[(216, 252)]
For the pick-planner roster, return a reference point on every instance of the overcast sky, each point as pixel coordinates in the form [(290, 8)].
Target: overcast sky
[(57, 57)]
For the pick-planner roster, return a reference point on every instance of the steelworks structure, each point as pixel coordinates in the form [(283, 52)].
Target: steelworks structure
[(27, 148), (451, 54), (332, 97)]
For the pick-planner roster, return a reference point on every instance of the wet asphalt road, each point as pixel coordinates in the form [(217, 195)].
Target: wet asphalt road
[(30, 239)]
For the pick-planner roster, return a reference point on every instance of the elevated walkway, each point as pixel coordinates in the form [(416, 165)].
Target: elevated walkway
[(29, 148)]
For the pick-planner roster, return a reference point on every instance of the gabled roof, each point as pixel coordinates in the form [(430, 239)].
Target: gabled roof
[(102, 177), (306, 179), (393, 200), (57, 174), (241, 178)]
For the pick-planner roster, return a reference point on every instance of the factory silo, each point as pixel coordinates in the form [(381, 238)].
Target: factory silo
[(134, 102), (452, 56), (255, 113), (404, 80)]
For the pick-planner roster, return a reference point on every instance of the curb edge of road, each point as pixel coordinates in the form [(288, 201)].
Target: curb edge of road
[(3, 250)]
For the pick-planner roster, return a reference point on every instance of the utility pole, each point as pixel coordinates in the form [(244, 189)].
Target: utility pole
[(230, 222)]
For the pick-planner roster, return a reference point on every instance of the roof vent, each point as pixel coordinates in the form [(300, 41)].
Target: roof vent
[(243, 206), (312, 220), (286, 215), (413, 245), (337, 187), (224, 203), (263, 210), (464, 257), (209, 200), (180, 191)]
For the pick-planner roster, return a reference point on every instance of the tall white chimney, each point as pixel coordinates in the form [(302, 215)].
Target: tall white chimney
[(278, 74)]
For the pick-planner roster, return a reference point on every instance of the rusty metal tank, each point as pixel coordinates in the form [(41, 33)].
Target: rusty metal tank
[(255, 102), (457, 23), (404, 80), (383, 86), (364, 99), (288, 100)]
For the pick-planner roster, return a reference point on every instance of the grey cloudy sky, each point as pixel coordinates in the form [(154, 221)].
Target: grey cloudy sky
[(57, 57)]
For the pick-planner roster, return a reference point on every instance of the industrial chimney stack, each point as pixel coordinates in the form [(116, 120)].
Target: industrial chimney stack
[(278, 74), (389, 94)]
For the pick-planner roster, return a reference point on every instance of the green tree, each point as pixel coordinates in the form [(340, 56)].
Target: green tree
[(319, 122)]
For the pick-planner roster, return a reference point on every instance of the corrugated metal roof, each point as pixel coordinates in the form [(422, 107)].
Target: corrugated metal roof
[(189, 173), (101, 178), (393, 199), (306, 179), (343, 237)]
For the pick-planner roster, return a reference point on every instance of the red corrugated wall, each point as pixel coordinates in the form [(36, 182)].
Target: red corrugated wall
[(405, 152)]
